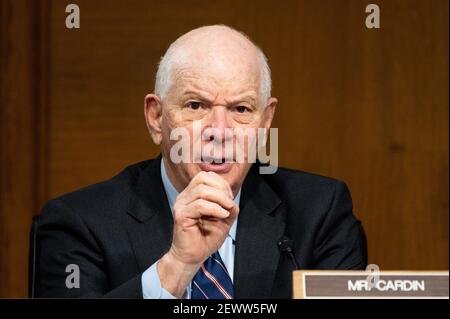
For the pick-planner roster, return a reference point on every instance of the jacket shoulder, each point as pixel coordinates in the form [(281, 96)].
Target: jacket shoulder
[(286, 179), (103, 197), (299, 189)]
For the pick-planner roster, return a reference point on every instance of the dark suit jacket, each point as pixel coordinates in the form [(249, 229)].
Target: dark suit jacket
[(116, 229)]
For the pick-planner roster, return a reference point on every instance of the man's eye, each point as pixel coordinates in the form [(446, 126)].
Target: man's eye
[(241, 109), (194, 105)]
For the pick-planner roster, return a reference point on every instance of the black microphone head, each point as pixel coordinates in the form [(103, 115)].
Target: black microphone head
[(285, 244)]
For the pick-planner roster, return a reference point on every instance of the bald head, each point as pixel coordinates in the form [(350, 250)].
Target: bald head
[(218, 51), (211, 80)]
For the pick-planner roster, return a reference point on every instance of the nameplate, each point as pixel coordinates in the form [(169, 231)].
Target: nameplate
[(317, 284)]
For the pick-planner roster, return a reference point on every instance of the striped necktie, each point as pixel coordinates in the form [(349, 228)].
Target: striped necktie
[(212, 280)]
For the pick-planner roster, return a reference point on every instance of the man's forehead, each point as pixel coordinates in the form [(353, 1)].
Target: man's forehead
[(211, 77), (240, 94), (220, 63), (208, 88)]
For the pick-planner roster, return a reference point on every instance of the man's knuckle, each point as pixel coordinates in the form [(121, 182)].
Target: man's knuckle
[(199, 204), (202, 175)]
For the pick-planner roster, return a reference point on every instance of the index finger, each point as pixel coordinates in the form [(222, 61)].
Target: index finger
[(211, 179)]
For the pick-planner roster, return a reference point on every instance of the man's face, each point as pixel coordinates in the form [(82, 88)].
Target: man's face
[(223, 92)]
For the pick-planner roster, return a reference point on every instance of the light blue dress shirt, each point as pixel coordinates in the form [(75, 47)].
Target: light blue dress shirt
[(151, 285)]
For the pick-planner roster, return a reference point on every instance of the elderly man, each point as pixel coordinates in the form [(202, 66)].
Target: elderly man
[(206, 228)]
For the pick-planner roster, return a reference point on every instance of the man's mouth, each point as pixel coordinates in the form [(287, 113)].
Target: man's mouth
[(217, 160), (213, 160), (218, 165)]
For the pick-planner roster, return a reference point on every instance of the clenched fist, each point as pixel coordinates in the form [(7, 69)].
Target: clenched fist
[(203, 215)]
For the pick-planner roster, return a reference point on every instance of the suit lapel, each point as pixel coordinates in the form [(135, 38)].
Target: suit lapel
[(150, 229), (260, 226)]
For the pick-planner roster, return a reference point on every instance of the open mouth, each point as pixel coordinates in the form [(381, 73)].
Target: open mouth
[(218, 165), (215, 161)]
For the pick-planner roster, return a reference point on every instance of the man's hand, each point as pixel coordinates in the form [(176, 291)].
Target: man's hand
[(203, 215)]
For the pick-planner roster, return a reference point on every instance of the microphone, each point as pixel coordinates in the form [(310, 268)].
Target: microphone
[(285, 245)]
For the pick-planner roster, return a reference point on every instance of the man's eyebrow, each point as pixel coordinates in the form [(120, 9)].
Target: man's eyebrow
[(252, 97), (203, 95), (242, 97)]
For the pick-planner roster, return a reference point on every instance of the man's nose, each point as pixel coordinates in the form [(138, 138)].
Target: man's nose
[(219, 122)]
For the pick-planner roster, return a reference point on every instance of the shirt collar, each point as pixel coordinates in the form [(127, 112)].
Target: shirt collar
[(172, 194)]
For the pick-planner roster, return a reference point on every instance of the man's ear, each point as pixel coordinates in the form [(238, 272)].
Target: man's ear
[(153, 115), (269, 112)]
